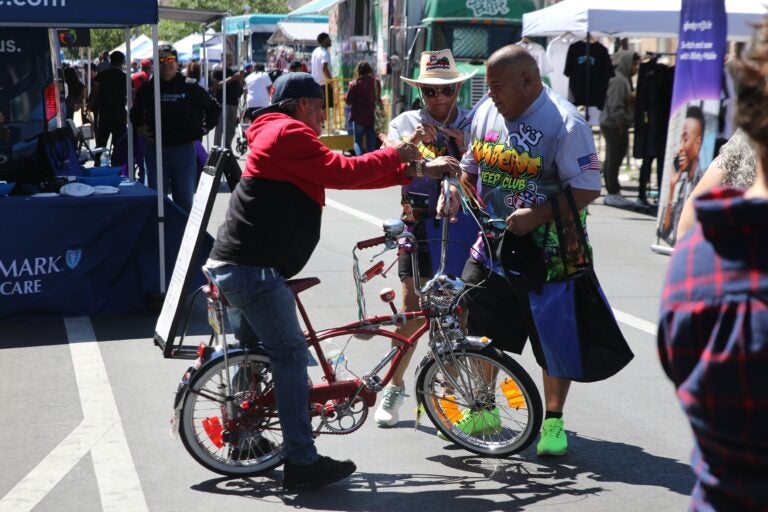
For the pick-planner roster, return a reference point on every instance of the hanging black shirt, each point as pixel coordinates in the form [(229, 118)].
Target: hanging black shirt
[(600, 71)]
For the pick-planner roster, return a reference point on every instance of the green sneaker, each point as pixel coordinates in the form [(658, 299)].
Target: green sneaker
[(553, 441), (480, 422)]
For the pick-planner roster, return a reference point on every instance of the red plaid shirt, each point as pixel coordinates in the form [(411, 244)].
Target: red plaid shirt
[(713, 344)]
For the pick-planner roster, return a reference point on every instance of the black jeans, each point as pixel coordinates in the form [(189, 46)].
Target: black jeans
[(616, 145)]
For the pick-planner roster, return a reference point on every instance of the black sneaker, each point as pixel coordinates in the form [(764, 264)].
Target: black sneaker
[(323, 471)]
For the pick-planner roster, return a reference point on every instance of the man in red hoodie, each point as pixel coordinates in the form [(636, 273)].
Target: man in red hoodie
[(272, 226)]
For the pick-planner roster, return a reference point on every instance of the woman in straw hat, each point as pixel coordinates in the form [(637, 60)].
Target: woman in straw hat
[(440, 128)]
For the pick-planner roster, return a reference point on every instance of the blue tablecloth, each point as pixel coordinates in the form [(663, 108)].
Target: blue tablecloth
[(64, 256)]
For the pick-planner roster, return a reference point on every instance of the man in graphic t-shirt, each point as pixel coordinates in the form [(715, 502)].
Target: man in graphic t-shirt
[(526, 145)]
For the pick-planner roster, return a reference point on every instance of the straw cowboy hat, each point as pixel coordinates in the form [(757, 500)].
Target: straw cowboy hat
[(438, 68)]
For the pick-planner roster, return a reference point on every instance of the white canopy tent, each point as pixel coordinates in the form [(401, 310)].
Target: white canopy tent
[(138, 42), (145, 51), (186, 46), (297, 33), (641, 18)]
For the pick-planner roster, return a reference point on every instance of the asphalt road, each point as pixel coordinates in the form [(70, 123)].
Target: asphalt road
[(85, 425)]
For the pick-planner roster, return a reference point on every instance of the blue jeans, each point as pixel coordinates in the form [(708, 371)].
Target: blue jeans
[(179, 168), (265, 304), (367, 132)]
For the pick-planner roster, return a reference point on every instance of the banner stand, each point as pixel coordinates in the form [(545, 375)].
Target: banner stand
[(694, 114), (220, 162)]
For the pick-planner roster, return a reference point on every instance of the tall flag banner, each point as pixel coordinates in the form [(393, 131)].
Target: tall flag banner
[(693, 123)]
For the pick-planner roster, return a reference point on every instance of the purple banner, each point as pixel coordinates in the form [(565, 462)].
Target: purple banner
[(700, 53), (693, 123)]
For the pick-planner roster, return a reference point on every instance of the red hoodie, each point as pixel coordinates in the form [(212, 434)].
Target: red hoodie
[(284, 149), (273, 219)]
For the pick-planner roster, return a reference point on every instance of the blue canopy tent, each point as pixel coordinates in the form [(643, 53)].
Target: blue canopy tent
[(82, 13), (100, 14), (113, 14)]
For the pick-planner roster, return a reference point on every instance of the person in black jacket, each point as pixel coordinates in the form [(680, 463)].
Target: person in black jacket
[(187, 113)]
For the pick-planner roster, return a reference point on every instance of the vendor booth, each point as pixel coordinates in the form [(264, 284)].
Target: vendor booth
[(100, 254), (83, 255), (639, 18)]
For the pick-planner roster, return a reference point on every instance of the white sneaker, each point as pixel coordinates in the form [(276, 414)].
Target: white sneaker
[(387, 414), (617, 200)]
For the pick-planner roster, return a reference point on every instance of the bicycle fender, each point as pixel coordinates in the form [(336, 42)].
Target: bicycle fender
[(210, 357), (467, 342)]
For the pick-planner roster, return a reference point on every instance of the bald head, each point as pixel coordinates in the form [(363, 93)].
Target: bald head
[(513, 78), (515, 57)]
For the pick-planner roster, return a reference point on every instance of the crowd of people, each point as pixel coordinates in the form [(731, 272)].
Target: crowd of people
[(288, 170), (711, 336), (226, 96)]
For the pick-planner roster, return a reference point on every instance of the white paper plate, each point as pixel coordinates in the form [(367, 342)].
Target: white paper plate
[(76, 190), (45, 194), (101, 190)]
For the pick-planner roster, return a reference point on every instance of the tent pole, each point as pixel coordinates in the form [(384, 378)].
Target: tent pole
[(586, 110), (88, 78), (159, 157), (224, 70), (204, 78), (129, 104)]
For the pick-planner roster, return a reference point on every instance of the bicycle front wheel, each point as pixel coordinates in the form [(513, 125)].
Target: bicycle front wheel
[(481, 400), (246, 443)]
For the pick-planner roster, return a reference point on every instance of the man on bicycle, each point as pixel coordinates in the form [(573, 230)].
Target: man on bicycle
[(527, 143), (272, 226)]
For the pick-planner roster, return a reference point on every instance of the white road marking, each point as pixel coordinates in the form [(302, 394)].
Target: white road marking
[(621, 316), (101, 433), (635, 322), (38, 483), (353, 212)]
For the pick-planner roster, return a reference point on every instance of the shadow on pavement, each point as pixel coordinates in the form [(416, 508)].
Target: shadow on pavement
[(384, 492), (609, 461), (32, 333), (521, 481)]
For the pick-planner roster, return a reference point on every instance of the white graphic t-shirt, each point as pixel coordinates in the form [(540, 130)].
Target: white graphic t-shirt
[(557, 51), (526, 161)]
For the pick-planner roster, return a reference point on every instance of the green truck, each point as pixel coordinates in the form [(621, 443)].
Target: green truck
[(472, 29)]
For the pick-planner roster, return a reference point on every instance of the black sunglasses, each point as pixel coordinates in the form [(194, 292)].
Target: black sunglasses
[(432, 92)]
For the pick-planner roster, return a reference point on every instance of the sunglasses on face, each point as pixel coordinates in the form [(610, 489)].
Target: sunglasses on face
[(167, 60), (432, 92)]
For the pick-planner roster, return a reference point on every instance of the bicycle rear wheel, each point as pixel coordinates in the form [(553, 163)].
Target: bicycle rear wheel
[(246, 445), (481, 400)]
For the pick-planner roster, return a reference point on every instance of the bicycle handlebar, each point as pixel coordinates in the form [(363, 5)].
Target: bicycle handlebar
[(371, 242)]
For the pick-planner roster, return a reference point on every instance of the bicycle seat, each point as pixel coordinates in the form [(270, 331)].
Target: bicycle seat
[(305, 283)]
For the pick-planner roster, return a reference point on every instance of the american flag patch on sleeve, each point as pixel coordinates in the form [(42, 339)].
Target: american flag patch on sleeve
[(589, 162)]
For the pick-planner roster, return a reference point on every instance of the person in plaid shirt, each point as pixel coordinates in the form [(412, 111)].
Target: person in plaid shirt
[(713, 330)]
